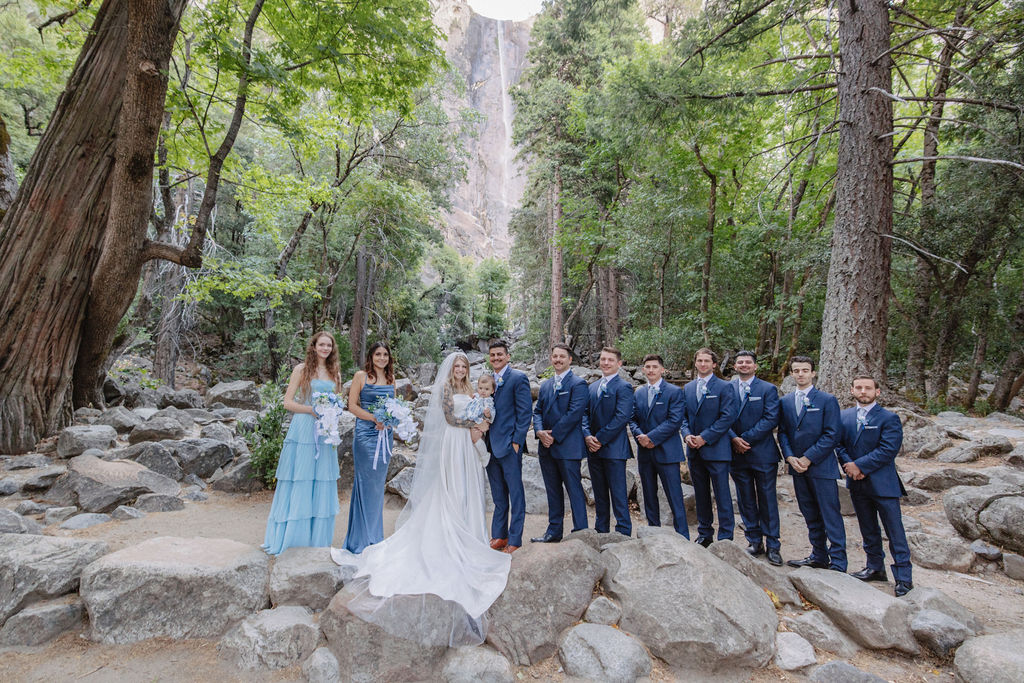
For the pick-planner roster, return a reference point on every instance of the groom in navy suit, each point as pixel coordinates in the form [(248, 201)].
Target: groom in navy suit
[(709, 411), (808, 435), (604, 432), (505, 441), (755, 458), (558, 424), (657, 415), (870, 441)]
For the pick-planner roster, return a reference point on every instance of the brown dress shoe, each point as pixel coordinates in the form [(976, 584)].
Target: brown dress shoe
[(499, 543), (510, 549)]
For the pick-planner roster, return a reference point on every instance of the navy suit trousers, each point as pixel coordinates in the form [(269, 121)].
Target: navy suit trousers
[(506, 479), (671, 483), (870, 508), (706, 475), (609, 479), (818, 499), (758, 504), (558, 473)]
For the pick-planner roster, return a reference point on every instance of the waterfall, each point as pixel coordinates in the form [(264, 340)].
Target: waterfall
[(506, 117)]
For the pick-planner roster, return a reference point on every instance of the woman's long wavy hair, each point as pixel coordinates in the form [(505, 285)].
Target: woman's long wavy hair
[(371, 371), (464, 386), (309, 369)]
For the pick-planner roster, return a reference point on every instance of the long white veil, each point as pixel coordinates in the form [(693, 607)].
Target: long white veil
[(399, 583)]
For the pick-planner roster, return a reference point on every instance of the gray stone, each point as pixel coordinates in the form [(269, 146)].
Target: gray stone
[(155, 456), (603, 611), (271, 639), (156, 428), (940, 552), (915, 496), (819, 630), (85, 520), (533, 487), (402, 483), (996, 658), (86, 415), (123, 513), (965, 452), (186, 421), (792, 652), (27, 462), (193, 480), (400, 459), (948, 477), (689, 607), (159, 502), (766, 576), (986, 551), (542, 599), (76, 440), (56, 515), (994, 444), (308, 577), (925, 441), (182, 399), (246, 419), (34, 568), (598, 541), (9, 486), (174, 587), (926, 598), (1016, 457), (31, 507), (322, 667), (236, 478), (145, 412), (194, 494), (874, 619), (939, 632), (1003, 522), (964, 504), (41, 478), (42, 622), (239, 394), (204, 416), (120, 418), (100, 486), (602, 653), (13, 523), (217, 431), (476, 665), (842, 672), (201, 457), (396, 648), (1013, 565)]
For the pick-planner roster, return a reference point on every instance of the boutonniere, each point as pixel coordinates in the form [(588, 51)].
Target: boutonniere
[(558, 383), (498, 380), (703, 390), (807, 403), (862, 422), (657, 392)]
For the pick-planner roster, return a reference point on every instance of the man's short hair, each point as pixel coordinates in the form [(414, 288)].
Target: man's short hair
[(497, 344), (704, 349), (564, 347), (653, 356), (801, 359), (863, 376), (750, 354), (612, 350)]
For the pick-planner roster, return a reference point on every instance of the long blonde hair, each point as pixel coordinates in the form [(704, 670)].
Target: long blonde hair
[(310, 369), (462, 386)]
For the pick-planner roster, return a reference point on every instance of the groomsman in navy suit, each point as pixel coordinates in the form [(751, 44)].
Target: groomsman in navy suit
[(505, 441), (604, 432), (558, 424), (657, 415), (808, 436), (709, 411), (755, 458), (871, 439)]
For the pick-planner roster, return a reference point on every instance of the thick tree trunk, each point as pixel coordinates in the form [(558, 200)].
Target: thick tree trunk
[(920, 335), (357, 330), (168, 331), (1006, 387), (50, 237), (855, 320), (555, 218), (8, 179)]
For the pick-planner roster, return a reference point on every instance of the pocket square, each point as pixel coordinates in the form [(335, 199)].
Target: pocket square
[(754, 398), (710, 396), (870, 426), (562, 393), (659, 403), (814, 410)]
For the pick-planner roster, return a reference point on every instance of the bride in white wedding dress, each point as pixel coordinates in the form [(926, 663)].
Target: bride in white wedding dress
[(440, 544)]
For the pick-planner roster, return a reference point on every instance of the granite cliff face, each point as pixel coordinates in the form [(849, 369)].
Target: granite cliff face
[(490, 54)]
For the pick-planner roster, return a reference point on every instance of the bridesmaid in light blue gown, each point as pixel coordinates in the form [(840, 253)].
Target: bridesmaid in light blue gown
[(306, 497), (366, 509)]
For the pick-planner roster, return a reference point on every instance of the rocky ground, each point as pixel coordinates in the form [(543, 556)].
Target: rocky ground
[(129, 552)]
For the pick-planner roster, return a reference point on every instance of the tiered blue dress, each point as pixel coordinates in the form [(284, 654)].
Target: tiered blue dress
[(306, 498), (366, 509)]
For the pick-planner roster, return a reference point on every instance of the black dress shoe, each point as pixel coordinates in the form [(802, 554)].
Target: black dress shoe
[(871, 575), (902, 588), (808, 562), (755, 549), (705, 542), (774, 557), (546, 538)]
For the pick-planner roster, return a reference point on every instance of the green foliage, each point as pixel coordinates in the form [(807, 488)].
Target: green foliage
[(492, 277), (267, 439)]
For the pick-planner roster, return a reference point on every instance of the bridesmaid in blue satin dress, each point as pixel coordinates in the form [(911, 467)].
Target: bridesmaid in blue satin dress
[(366, 509), (306, 497)]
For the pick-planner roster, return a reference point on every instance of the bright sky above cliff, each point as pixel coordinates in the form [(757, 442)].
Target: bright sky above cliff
[(506, 9)]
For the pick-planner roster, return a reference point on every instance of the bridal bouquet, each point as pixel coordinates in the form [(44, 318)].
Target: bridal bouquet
[(327, 407), (476, 408), (396, 415)]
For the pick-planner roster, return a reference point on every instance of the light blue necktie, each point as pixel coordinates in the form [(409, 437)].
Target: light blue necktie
[(799, 403), (603, 387), (651, 393), (862, 419)]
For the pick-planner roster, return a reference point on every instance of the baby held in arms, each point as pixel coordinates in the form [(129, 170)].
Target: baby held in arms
[(481, 409)]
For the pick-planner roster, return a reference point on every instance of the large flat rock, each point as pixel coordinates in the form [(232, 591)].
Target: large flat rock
[(271, 639), (77, 440), (174, 587), (307, 576), (774, 579), (689, 607), (996, 658), (97, 485)]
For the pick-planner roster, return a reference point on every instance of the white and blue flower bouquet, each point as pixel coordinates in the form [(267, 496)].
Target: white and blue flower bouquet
[(327, 407), (395, 414)]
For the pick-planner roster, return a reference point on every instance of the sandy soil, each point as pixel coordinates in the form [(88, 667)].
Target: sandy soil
[(995, 599)]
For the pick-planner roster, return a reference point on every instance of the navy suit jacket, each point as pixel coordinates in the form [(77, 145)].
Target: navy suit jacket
[(813, 435), (660, 422), (757, 418), (607, 417), (873, 449), (710, 418), (562, 413), (512, 412)]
